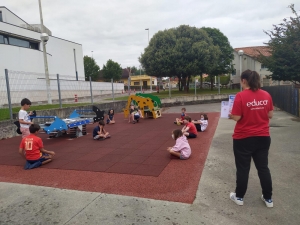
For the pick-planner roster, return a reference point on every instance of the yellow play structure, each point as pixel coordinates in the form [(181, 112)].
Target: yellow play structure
[(149, 105)]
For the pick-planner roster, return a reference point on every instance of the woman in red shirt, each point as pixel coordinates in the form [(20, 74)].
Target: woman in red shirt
[(252, 110)]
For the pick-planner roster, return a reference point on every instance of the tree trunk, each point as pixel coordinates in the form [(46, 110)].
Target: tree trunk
[(188, 84), (211, 83), (201, 81), (179, 83), (183, 81)]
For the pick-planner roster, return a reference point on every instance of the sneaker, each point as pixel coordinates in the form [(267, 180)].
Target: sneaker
[(268, 202), (137, 121), (133, 122), (238, 201)]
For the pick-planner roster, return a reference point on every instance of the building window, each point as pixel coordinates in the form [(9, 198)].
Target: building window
[(152, 82), (234, 72), (1, 20), (5, 39), (136, 83), (18, 42), (1, 39)]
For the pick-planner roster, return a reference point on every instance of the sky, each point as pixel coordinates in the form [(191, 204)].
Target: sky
[(115, 29)]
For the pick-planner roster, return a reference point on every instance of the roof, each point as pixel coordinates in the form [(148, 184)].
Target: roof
[(255, 50)]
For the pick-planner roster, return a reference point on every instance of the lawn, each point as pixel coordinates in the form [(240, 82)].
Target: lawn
[(4, 112), (175, 93)]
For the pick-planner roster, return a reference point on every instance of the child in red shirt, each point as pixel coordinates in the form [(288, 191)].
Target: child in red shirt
[(189, 130), (32, 149)]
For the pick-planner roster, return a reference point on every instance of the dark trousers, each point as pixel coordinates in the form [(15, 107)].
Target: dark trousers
[(258, 149)]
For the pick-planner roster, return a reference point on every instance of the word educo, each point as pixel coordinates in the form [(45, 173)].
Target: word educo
[(257, 103)]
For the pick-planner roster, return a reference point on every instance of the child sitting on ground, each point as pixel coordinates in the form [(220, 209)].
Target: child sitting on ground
[(134, 114), (99, 133), (182, 148), (32, 149), (179, 121), (201, 124), (110, 117), (189, 129)]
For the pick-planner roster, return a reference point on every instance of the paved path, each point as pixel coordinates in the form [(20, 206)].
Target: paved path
[(24, 204)]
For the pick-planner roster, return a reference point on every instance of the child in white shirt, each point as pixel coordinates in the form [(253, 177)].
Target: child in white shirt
[(201, 124)]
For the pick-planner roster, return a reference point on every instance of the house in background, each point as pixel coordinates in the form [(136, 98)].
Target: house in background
[(21, 49), (135, 80), (249, 61)]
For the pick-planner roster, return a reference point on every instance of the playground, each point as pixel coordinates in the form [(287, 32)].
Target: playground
[(134, 161), (73, 196)]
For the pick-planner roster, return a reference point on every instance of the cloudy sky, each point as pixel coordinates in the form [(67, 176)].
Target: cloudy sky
[(115, 29)]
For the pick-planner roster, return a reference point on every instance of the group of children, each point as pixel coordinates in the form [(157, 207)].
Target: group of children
[(190, 129), (99, 133), (32, 148)]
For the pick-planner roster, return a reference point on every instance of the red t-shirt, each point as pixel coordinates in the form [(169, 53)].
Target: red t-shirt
[(32, 145), (253, 107), (192, 128)]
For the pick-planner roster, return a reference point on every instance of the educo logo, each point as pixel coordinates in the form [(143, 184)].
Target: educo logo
[(257, 103)]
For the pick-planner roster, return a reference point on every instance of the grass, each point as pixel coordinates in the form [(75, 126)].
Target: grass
[(177, 93), (4, 112)]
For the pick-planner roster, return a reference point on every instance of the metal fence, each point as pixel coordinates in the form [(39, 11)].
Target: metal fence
[(285, 97), (16, 85)]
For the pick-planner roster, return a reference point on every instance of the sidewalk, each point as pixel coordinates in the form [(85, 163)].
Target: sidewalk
[(25, 204)]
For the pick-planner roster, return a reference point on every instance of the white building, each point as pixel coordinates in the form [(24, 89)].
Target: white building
[(21, 49), (21, 53), (249, 61)]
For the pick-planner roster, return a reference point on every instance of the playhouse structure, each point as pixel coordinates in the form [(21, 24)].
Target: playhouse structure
[(149, 105)]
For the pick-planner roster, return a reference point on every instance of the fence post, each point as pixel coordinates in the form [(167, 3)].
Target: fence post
[(129, 85), (91, 90), (169, 87), (8, 94), (112, 88), (219, 83), (195, 87), (59, 93)]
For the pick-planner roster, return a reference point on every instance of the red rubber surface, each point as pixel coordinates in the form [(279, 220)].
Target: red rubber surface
[(133, 162)]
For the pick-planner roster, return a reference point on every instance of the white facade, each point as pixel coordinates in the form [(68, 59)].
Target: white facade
[(64, 57), (249, 62)]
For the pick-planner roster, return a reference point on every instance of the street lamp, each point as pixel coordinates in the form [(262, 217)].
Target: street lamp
[(241, 53), (44, 39), (148, 34), (92, 55), (150, 76)]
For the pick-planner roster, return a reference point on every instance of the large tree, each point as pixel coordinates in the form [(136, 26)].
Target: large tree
[(91, 69), (183, 52), (284, 44), (112, 70), (223, 64)]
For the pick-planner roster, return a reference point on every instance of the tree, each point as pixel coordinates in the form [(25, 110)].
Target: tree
[(183, 52), (91, 69), (112, 70), (284, 44), (224, 62)]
